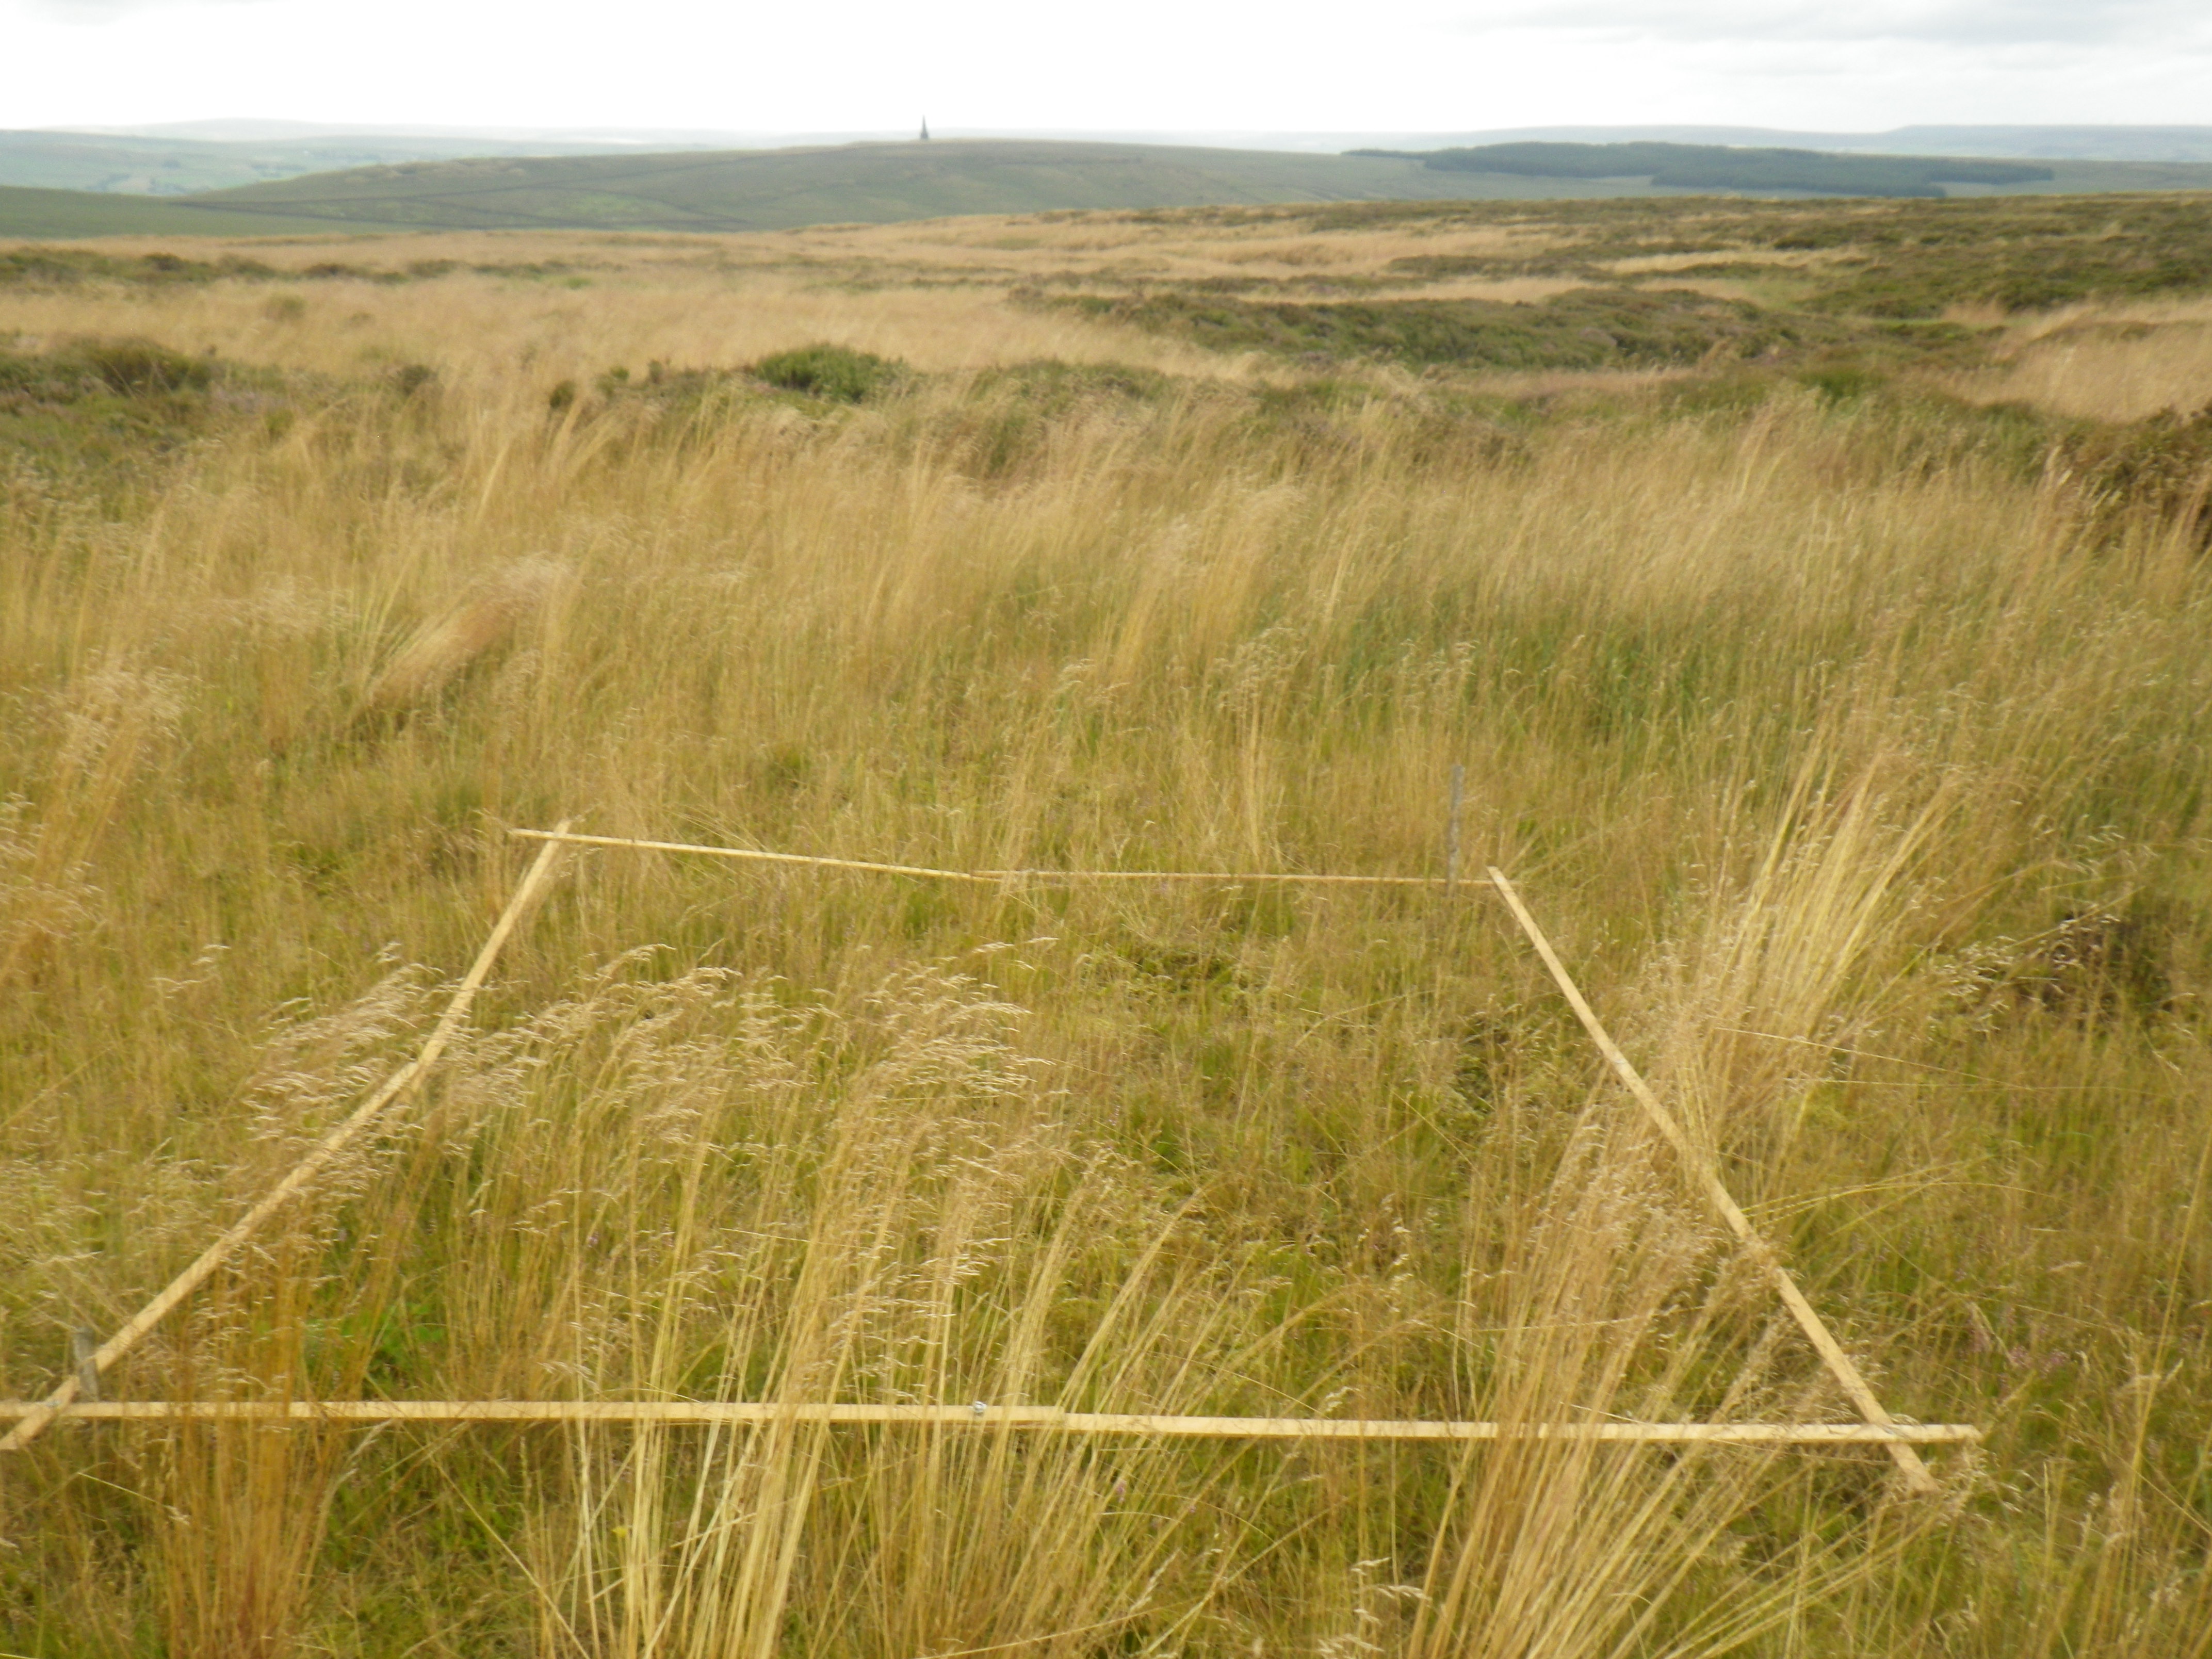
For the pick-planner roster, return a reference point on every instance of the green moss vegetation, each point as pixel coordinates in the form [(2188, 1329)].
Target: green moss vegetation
[(106, 410), (1594, 328), (834, 371)]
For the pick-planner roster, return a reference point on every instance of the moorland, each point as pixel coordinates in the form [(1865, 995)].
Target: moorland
[(1815, 595)]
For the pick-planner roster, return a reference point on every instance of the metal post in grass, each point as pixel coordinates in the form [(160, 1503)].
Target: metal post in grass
[(84, 1344), (1451, 832)]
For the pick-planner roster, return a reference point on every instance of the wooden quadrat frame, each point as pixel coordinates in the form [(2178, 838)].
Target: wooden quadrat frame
[(78, 1397)]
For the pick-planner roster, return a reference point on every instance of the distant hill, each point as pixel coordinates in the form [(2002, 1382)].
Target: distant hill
[(880, 184), (2030, 143), (2027, 143), (132, 165), (1715, 167), (756, 190), (886, 183)]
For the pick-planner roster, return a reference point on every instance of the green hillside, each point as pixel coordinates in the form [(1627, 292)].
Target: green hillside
[(881, 184), (73, 213), (887, 183), (1720, 166), (1636, 169)]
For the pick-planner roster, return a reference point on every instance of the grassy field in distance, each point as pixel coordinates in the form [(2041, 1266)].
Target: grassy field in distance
[(67, 214), (1816, 594)]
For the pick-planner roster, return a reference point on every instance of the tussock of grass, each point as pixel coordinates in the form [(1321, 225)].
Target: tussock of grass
[(836, 373), (67, 267), (110, 410)]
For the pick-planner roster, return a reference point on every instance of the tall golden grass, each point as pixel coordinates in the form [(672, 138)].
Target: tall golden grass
[(2108, 362), (501, 337), (1858, 771)]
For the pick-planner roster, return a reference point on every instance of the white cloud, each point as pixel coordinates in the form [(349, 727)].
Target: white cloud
[(1948, 22), (106, 11), (843, 65)]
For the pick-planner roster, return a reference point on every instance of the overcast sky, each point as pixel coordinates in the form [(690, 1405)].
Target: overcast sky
[(1406, 65)]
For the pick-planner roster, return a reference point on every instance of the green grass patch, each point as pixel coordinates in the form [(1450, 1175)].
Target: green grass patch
[(114, 405), (833, 373), (1611, 328)]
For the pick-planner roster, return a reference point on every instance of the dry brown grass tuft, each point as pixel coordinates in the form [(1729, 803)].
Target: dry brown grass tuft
[(2111, 363), (457, 639)]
